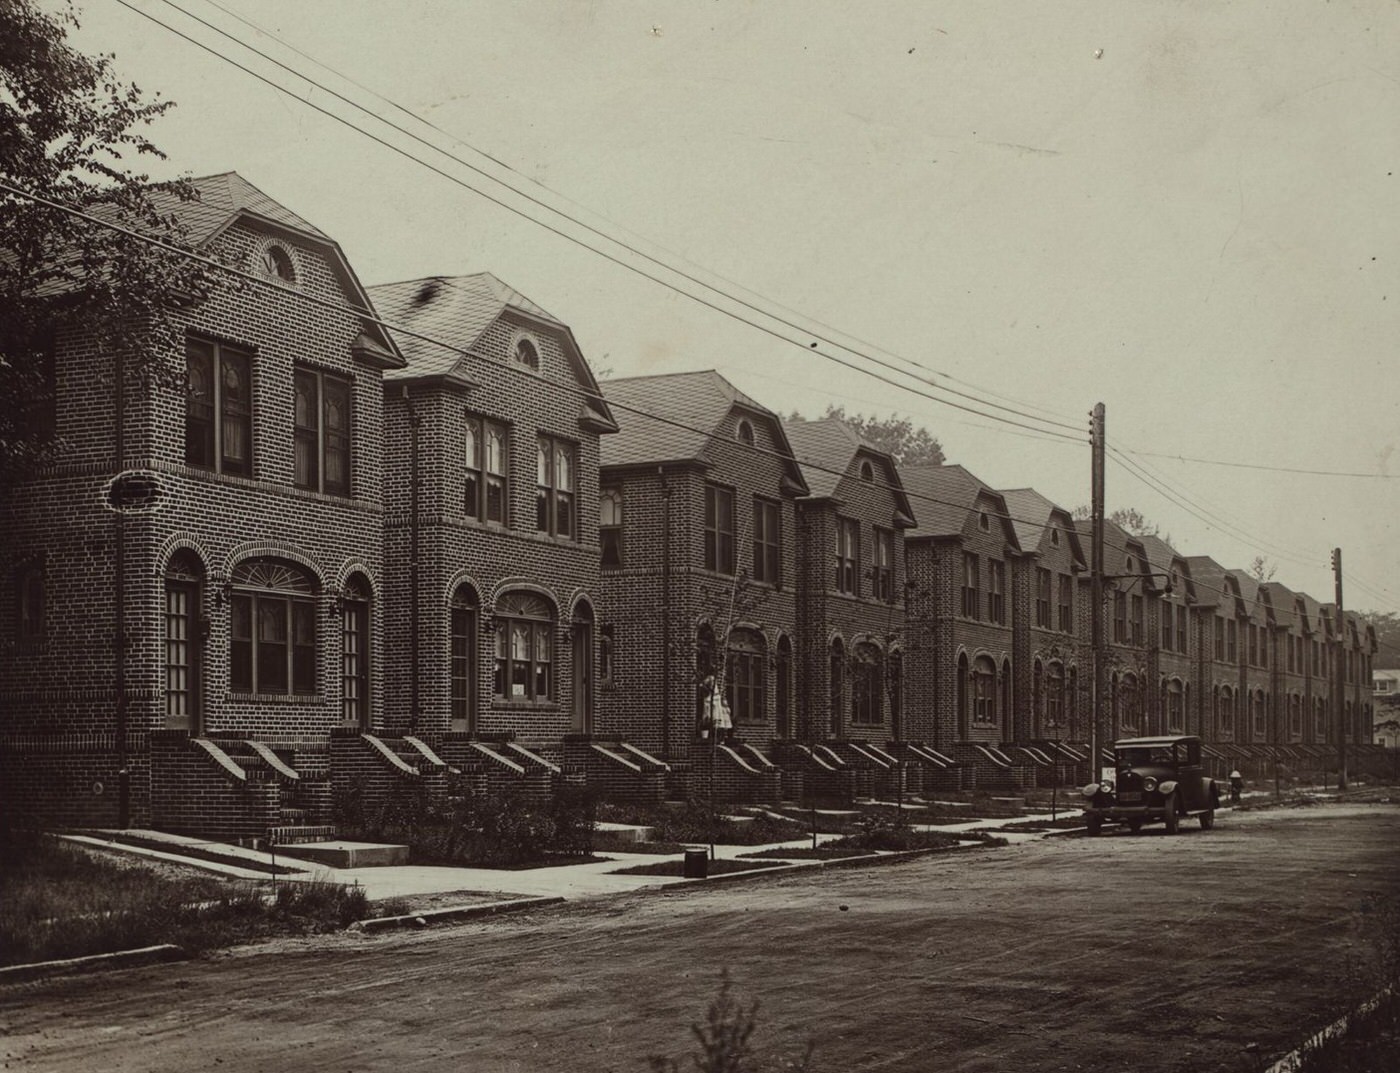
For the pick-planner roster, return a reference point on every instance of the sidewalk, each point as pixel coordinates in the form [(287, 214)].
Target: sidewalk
[(569, 881)]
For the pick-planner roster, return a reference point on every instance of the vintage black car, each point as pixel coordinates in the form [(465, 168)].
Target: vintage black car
[(1155, 779)]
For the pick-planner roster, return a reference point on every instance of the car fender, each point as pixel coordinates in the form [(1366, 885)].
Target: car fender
[(1090, 790), (1212, 792), (1168, 787)]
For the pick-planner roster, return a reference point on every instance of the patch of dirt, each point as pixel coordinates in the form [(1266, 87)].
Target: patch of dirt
[(1154, 953)]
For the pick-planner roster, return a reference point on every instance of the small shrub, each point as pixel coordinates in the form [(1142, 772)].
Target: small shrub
[(723, 1043)]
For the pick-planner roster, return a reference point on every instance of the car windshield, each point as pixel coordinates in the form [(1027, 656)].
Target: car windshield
[(1145, 756)]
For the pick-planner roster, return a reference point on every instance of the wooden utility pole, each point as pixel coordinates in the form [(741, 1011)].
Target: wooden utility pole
[(1096, 444), (1340, 675)]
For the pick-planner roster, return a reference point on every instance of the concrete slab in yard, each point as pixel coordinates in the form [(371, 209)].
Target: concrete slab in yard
[(341, 854), (624, 832)]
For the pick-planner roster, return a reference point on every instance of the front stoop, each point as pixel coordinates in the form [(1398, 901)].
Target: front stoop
[(616, 770), (341, 854), (820, 777), (374, 770), (734, 772), (995, 770)]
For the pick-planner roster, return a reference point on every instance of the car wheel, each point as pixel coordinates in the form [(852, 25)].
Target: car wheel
[(1135, 826), (1094, 824), (1207, 819), (1173, 820)]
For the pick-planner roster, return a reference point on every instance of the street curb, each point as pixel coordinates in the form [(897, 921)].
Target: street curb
[(1291, 1061), (121, 959), (866, 860), (451, 913)]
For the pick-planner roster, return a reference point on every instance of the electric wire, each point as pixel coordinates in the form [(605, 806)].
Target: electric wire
[(615, 259), (523, 177), (366, 314)]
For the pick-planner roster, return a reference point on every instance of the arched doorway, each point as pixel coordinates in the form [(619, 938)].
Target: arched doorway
[(184, 643), (582, 720)]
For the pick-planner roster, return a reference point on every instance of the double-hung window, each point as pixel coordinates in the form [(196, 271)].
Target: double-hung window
[(1042, 599), (554, 487), (996, 592), (1066, 604), (848, 556), (884, 565), (767, 542), (272, 645), (971, 591), (524, 648), (219, 407), (487, 454), (1120, 618), (1181, 628), (610, 527), (1138, 620), (321, 418), (719, 529)]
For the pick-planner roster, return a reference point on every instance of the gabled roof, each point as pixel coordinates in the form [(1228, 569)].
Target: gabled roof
[(227, 198), (448, 309), (943, 496), (1031, 514), (1212, 580), (672, 417), (222, 199), (457, 311), (827, 449), (1284, 601)]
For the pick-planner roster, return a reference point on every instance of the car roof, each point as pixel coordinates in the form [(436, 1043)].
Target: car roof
[(1170, 739)]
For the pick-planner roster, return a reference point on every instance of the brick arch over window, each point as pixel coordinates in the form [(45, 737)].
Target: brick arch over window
[(463, 655), (352, 567), (515, 585), (746, 681), (782, 685), (272, 627), (867, 684), (525, 623), (184, 627), (984, 691), (276, 549), (356, 606)]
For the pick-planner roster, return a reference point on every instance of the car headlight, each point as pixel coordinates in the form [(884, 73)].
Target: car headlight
[(1149, 784), (1106, 786)]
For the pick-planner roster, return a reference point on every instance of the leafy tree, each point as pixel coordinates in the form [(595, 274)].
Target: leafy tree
[(1262, 569), (1130, 518), (1387, 627), (69, 129), (905, 442)]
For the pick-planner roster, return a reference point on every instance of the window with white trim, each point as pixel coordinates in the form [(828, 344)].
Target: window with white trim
[(218, 407), (554, 488), (524, 647), (272, 631)]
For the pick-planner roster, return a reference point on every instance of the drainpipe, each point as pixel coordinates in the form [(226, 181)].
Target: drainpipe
[(413, 696), (665, 613), (119, 595)]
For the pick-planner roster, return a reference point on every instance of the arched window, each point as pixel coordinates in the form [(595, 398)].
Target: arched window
[(1054, 697), (463, 643), (277, 264), (526, 353), (184, 580), (610, 527), (1006, 701), (1227, 712), (1258, 717), (1129, 702), (745, 432), (782, 670), (747, 658), (1176, 706), (867, 471), (524, 624), (1295, 715), (354, 658), (837, 684), (1038, 714), (272, 632), (706, 665), (867, 685), (984, 691)]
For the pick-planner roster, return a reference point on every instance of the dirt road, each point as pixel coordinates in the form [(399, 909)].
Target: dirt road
[(1143, 953)]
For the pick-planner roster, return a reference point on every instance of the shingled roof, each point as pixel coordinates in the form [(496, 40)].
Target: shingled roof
[(1030, 516), (448, 309), (826, 450), (672, 417), (942, 498), (222, 199)]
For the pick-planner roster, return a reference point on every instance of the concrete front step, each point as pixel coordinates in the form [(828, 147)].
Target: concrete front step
[(290, 834), (341, 854)]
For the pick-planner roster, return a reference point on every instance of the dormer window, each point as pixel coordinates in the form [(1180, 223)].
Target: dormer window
[(277, 264), (745, 433), (983, 522), (867, 471), (526, 353), (1054, 538)]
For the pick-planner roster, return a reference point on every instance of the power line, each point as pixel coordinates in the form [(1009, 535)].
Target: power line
[(621, 262), (365, 314), (1268, 469), (564, 197)]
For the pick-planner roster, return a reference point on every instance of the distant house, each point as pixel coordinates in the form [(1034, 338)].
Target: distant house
[(1385, 707)]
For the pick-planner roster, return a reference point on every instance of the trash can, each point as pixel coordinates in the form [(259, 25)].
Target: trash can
[(696, 864)]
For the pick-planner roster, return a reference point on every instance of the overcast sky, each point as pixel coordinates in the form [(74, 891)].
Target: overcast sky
[(1186, 211)]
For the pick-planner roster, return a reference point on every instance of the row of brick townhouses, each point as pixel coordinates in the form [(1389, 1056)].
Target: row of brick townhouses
[(383, 534)]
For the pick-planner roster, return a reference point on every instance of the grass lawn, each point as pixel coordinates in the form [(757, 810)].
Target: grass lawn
[(60, 901), (693, 824)]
